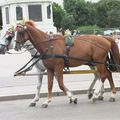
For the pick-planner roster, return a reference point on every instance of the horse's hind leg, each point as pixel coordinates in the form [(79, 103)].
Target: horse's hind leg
[(113, 90), (99, 90), (96, 77), (104, 73)]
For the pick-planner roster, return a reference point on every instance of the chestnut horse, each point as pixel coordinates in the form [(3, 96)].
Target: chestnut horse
[(86, 49), (7, 43)]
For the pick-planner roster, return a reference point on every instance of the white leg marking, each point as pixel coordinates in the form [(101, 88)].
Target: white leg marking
[(112, 95), (69, 94), (37, 95), (45, 104), (98, 89)]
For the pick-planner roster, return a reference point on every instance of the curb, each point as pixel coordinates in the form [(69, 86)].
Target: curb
[(30, 96)]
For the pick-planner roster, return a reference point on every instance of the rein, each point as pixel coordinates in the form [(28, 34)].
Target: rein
[(24, 69)]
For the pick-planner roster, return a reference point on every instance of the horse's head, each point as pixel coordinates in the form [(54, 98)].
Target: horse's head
[(6, 41), (21, 36)]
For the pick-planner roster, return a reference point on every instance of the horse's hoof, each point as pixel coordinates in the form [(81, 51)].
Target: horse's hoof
[(74, 101), (90, 95), (100, 98), (44, 105), (71, 101), (32, 105), (94, 100), (112, 99)]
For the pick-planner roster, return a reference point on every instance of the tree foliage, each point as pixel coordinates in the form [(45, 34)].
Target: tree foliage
[(61, 18), (108, 13), (68, 22), (58, 14), (105, 13), (83, 12)]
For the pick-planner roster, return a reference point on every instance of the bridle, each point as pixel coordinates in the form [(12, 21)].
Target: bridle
[(20, 29)]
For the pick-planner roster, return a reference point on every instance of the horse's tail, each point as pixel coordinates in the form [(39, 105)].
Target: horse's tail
[(114, 50)]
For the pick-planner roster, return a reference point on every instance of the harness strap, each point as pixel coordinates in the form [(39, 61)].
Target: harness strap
[(27, 69), (35, 56), (66, 60), (65, 57)]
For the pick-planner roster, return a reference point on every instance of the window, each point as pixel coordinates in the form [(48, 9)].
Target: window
[(35, 12), (7, 15), (19, 14), (49, 11)]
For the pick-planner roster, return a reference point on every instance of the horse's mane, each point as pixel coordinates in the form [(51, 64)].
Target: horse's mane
[(31, 23)]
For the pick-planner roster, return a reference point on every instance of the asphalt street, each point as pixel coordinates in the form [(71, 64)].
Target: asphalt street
[(60, 109)]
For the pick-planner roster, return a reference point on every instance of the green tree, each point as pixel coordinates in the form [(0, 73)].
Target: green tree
[(83, 12), (69, 5), (58, 14), (61, 18), (68, 22), (108, 13), (91, 18)]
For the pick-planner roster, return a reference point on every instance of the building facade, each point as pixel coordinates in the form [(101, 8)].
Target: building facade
[(39, 11)]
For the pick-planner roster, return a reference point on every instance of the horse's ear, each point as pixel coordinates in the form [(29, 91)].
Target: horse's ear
[(22, 22), (11, 28)]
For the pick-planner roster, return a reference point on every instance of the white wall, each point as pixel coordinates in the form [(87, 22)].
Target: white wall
[(45, 25)]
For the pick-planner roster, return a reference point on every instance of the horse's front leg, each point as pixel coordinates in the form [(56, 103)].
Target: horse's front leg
[(50, 86), (70, 95), (37, 95)]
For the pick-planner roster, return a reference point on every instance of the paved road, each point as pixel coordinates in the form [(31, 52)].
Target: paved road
[(60, 109)]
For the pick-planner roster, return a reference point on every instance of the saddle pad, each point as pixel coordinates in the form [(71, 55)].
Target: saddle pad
[(69, 40)]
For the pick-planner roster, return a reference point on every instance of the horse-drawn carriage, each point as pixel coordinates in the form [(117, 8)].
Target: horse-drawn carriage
[(87, 50)]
